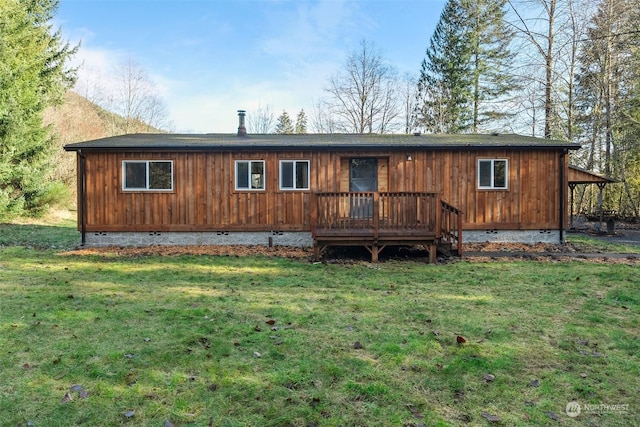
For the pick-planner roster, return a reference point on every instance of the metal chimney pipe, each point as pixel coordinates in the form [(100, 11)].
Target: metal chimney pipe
[(242, 130)]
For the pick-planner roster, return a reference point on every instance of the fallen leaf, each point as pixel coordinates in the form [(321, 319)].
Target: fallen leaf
[(460, 339), (257, 328), (76, 387), (26, 366), (414, 411), (270, 322), (488, 378), (129, 355), (83, 394), (583, 375), (129, 414), (147, 339), (357, 345), (168, 423), (212, 387), (257, 354), (436, 332), (535, 383), (553, 416), (66, 398), (491, 418)]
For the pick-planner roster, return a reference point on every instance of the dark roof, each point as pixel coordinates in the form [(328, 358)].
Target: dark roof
[(207, 142)]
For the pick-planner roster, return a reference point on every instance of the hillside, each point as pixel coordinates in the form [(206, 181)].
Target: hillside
[(78, 119)]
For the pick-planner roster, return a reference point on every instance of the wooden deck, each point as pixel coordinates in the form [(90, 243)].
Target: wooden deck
[(376, 220)]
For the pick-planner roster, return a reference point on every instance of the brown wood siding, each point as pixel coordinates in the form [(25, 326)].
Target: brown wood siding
[(204, 197)]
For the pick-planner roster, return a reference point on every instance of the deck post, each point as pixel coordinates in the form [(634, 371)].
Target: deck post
[(433, 248), (438, 209), (374, 252), (376, 216)]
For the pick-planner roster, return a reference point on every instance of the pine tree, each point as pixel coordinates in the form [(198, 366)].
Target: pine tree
[(284, 124), (466, 66), (33, 75), (301, 122)]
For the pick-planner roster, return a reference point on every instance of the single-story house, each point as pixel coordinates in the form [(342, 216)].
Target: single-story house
[(321, 189)]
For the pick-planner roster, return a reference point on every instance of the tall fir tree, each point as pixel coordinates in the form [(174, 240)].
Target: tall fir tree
[(491, 59), (284, 124), (445, 79), (33, 75), (466, 67), (301, 122)]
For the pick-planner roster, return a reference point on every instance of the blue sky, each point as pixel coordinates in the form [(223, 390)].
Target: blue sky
[(210, 58)]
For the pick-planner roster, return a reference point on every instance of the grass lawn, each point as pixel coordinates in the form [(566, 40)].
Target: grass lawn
[(259, 341)]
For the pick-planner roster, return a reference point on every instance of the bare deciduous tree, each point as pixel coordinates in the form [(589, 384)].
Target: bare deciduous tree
[(261, 120), (135, 98), (363, 93), (321, 120)]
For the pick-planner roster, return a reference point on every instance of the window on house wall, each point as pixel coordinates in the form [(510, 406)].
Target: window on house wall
[(250, 175), (147, 175), (492, 174), (294, 174)]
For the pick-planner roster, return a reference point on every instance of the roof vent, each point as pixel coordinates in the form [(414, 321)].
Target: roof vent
[(242, 130)]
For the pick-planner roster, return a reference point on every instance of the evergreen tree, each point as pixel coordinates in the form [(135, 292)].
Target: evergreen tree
[(284, 124), (301, 122), (33, 75), (490, 59), (466, 67), (445, 79)]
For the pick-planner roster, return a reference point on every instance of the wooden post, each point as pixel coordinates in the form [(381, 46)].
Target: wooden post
[(572, 187), (376, 217), (438, 208), (374, 252), (433, 248), (459, 233)]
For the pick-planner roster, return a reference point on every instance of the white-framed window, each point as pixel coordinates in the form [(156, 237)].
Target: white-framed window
[(147, 175), (250, 175), (294, 174), (493, 174)]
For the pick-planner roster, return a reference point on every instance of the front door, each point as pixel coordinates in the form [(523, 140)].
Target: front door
[(363, 177)]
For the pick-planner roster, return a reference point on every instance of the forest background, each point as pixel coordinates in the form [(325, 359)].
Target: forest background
[(560, 69)]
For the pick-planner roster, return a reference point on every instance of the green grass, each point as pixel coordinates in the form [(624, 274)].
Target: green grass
[(50, 233), (592, 245), (176, 338)]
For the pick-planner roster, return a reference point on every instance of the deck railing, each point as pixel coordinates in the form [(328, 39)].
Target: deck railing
[(451, 226), (376, 212)]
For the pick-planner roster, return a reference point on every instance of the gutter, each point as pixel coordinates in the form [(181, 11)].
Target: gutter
[(82, 197), (561, 200)]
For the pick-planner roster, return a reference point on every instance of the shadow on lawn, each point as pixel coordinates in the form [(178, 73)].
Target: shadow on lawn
[(39, 236)]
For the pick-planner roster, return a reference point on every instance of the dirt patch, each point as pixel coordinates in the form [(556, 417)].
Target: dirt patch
[(519, 247), (473, 252)]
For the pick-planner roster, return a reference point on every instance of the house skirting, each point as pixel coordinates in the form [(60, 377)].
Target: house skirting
[(512, 236), (265, 238)]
